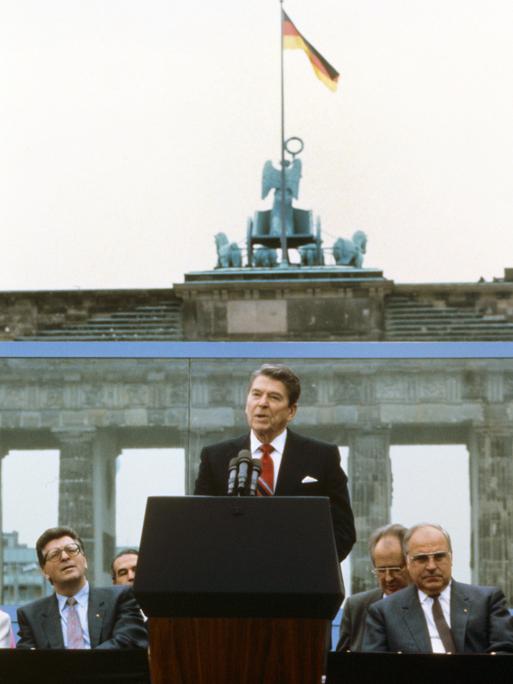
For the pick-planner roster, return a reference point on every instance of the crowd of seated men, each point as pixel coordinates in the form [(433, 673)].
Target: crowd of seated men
[(418, 607)]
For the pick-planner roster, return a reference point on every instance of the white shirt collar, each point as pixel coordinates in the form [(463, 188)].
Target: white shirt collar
[(278, 443), (81, 597), (445, 595)]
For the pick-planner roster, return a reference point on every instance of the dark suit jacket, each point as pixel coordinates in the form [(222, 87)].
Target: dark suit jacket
[(114, 621), (480, 622), (302, 456), (354, 615)]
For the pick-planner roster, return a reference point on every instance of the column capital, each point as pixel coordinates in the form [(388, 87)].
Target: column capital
[(74, 435)]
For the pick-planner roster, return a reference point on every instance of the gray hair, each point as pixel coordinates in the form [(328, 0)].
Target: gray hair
[(394, 530)]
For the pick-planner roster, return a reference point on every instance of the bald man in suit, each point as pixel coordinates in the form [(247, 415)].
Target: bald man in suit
[(389, 568), (436, 614)]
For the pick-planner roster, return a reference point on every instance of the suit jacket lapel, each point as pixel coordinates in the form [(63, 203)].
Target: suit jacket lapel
[(51, 623), (415, 621), (95, 617), (291, 466), (460, 606)]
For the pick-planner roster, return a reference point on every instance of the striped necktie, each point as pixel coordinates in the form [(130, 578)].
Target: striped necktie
[(265, 486), (73, 627)]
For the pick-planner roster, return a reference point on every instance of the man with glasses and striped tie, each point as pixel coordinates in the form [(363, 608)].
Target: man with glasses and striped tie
[(437, 614), (291, 464), (77, 616)]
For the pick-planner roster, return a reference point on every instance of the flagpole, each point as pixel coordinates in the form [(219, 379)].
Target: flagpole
[(283, 235)]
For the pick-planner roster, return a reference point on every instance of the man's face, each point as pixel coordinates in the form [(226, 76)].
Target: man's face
[(124, 569), (267, 408), (67, 570), (431, 574), (390, 565)]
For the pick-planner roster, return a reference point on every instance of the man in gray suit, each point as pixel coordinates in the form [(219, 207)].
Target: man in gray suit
[(386, 553), (436, 614), (77, 616)]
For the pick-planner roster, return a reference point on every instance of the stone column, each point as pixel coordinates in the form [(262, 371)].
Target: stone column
[(105, 452), (491, 486), (370, 476), (76, 506)]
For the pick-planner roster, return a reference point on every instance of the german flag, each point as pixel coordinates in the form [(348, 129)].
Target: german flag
[(293, 40)]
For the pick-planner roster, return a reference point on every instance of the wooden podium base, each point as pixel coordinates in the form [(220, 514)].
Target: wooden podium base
[(238, 650)]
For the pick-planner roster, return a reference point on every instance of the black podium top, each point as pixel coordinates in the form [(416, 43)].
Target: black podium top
[(238, 557)]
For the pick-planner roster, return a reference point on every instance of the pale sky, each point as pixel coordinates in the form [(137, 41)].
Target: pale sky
[(132, 132)]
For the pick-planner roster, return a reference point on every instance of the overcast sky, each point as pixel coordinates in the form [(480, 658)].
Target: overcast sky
[(131, 132)]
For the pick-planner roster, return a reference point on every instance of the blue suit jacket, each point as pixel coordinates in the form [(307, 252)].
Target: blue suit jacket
[(480, 622), (114, 620), (302, 456)]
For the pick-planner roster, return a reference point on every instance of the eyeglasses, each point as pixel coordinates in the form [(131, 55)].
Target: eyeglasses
[(423, 558), (56, 554), (393, 572)]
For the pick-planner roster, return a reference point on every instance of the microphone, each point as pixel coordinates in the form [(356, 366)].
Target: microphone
[(244, 464), (232, 476), (255, 474)]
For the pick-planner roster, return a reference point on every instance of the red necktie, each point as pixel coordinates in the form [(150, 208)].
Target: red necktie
[(265, 485)]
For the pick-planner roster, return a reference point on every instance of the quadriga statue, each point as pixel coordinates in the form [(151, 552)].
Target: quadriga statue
[(229, 254), (350, 252)]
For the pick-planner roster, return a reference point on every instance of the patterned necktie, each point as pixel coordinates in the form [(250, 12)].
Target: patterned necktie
[(73, 628), (265, 486), (443, 628)]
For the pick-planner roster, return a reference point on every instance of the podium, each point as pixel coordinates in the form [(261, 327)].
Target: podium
[(238, 590)]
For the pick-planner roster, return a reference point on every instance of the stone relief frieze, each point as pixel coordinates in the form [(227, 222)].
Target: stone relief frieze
[(345, 390), (220, 393), (391, 387), (473, 385), (432, 387), (13, 397), (508, 386), (309, 393)]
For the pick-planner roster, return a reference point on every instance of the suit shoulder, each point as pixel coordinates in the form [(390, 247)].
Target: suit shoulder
[(110, 593), (475, 589), (397, 599), (364, 597), (221, 447), (39, 605)]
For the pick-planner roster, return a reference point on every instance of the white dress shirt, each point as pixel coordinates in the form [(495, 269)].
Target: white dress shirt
[(82, 599), (427, 606)]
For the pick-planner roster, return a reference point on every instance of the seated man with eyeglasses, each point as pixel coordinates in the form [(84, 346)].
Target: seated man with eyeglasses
[(386, 552), (77, 615), (437, 614)]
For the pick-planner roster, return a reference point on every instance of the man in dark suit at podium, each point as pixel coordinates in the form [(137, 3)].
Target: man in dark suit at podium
[(292, 465)]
